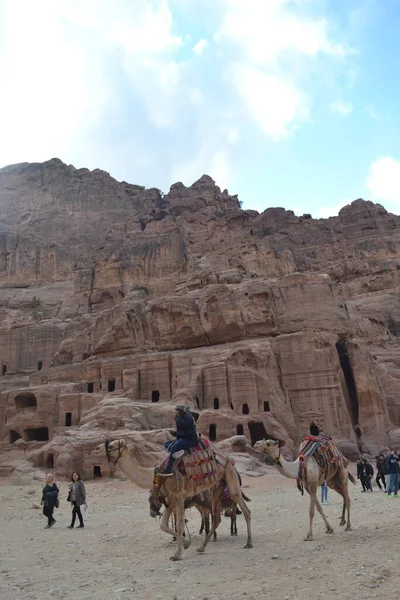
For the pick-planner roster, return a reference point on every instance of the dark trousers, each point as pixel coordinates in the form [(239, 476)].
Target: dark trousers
[(76, 512), (173, 447), (380, 478), (48, 512), (366, 483)]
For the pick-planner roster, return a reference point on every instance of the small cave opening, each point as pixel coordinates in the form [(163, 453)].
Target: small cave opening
[(239, 430), (25, 400), (111, 385), (216, 403), (96, 471), (4, 369), (50, 461), (14, 436), (68, 419), (155, 396), (267, 407), (90, 387), (39, 434), (257, 431), (347, 370), (212, 432), (232, 406), (39, 365), (245, 409)]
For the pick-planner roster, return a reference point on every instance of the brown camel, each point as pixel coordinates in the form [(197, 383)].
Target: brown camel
[(118, 452), (337, 479)]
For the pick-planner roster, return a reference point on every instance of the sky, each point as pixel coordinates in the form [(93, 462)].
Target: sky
[(291, 103)]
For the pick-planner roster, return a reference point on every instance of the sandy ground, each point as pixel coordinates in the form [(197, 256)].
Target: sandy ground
[(121, 553)]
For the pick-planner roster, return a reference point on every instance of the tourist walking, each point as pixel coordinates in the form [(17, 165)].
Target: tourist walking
[(49, 499), (365, 472), (77, 497), (380, 471), (392, 467), (324, 493)]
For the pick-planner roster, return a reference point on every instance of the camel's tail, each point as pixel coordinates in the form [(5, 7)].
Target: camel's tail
[(352, 478), (245, 497), (300, 486)]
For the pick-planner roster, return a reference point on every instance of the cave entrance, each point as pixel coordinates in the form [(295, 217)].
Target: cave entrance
[(257, 432), (245, 409), (266, 406), (68, 419), (14, 436), (96, 471), (90, 387), (212, 432), (155, 396), (111, 385), (50, 461), (239, 430), (4, 369), (40, 434), (25, 400), (39, 365), (216, 403), (347, 370)]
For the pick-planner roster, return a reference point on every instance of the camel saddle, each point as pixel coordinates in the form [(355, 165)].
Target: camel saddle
[(197, 463), (323, 450)]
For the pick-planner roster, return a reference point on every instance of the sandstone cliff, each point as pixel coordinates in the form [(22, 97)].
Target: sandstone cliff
[(116, 301)]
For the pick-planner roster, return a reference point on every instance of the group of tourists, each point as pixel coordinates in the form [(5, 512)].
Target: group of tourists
[(76, 497), (387, 473)]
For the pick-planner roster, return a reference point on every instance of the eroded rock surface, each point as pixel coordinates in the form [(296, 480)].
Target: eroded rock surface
[(116, 301)]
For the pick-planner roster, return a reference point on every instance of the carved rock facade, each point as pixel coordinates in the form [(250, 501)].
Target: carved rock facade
[(117, 301)]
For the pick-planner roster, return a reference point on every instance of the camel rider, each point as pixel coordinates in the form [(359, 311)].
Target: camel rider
[(186, 436)]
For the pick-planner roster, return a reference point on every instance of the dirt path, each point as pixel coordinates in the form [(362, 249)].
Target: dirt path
[(121, 553)]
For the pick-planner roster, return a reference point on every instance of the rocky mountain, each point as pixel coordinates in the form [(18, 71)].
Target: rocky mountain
[(116, 301)]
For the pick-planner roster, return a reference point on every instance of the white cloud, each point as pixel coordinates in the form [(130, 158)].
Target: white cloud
[(330, 211), (272, 39), (383, 181), (343, 108), (233, 136), (200, 47), (274, 102)]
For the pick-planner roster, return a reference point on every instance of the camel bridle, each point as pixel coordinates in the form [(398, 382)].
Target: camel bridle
[(109, 451)]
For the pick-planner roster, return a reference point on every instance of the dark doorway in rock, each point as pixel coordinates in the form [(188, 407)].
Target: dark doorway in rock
[(266, 406), (50, 461), (232, 406), (68, 419), (4, 369), (239, 430), (216, 403), (212, 432), (90, 388), (155, 396), (245, 409), (347, 370), (40, 434), (14, 436), (111, 385), (25, 400), (96, 471), (257, 431), (39, 365)]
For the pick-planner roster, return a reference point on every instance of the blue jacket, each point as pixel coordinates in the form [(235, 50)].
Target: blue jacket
[(392, 463), (186, 428)]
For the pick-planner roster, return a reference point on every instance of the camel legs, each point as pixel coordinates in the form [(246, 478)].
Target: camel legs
[(215, 517), (314, 503), (180, 529), (340, 485)]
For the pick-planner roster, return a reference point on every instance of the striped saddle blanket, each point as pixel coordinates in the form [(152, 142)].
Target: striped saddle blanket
[(323, 449), (198, 463)]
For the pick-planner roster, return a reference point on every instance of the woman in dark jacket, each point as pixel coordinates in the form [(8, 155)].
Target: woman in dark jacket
[(77, 497), (49, 500)]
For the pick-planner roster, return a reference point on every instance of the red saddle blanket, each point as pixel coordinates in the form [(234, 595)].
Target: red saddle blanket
[(198, 463)]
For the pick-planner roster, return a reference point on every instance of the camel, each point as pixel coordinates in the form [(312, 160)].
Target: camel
[(118, 452), (336, 478), (177, 491)]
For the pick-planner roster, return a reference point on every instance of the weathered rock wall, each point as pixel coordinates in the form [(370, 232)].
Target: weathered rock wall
[(116, 301)]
